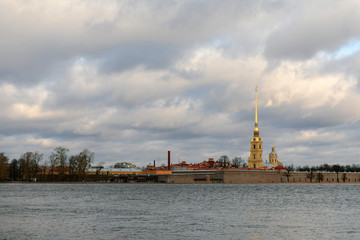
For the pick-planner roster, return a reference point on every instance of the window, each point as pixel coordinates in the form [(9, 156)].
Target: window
[(254, 156), (254, 146)]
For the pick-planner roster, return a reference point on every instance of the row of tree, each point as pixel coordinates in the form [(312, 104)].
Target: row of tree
[(315, 172), (330, 168), (237, 162), (59, 167)]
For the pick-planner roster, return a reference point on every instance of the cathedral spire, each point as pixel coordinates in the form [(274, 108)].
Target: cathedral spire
[(256, 128), (255, 160), (256, 118)]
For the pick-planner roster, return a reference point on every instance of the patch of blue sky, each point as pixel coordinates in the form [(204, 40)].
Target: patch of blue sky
[(348, 49), (220, 42)]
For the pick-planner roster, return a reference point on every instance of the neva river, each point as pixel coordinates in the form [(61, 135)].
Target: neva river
[(159, 211)]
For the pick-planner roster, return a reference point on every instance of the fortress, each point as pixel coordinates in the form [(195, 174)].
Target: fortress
[(256, 172)]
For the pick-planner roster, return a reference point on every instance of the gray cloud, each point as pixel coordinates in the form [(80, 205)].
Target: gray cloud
[(315, 27), (128, 56)]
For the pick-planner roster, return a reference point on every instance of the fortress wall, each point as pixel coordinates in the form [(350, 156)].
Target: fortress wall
[(253, 177), (328, 177), (213, 176), (182, 179), (279, 177)]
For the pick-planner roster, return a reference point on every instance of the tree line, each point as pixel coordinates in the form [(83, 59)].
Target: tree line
[(315, 172), (330, 168), (31, 166)]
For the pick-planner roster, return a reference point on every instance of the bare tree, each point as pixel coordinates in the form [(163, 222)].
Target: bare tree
[(72, 165), (336, 169), (80, 162), (310, 175), (54, 163), (15, 173), (237, 162), (59, 159), (344, 177), (4, 166), (44, 170), (289, 171), (224, 161), (29, 164), (319, 177)]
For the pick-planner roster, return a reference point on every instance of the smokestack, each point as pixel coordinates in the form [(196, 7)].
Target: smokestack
[(154, 163), (168, 160)]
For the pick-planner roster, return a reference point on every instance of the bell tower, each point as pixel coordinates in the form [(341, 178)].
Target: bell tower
[(255, 160), (273, 157)]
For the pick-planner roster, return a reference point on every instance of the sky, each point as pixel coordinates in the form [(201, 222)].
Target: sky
[(130, 80)]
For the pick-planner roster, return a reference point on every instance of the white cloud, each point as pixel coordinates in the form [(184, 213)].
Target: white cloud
[(304, 82)]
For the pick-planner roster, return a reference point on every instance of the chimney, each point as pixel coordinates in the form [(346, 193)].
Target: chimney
[(154, 163), (168, 160)]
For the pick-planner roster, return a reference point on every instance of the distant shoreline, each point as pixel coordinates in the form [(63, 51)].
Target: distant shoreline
[(277, 183)]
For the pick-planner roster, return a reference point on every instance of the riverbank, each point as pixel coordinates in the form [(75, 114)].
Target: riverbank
[(224, 176)]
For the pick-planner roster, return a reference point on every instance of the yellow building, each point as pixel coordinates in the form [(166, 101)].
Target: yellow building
[(255, 160), (273, 157)]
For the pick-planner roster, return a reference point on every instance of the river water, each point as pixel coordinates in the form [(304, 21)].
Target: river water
[(161, 211)]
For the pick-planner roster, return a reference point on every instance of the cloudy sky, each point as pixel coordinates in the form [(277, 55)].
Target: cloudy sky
[(130, 80)]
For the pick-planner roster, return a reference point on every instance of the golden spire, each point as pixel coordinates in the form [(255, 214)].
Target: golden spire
[(256, 118), (256, 128)]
